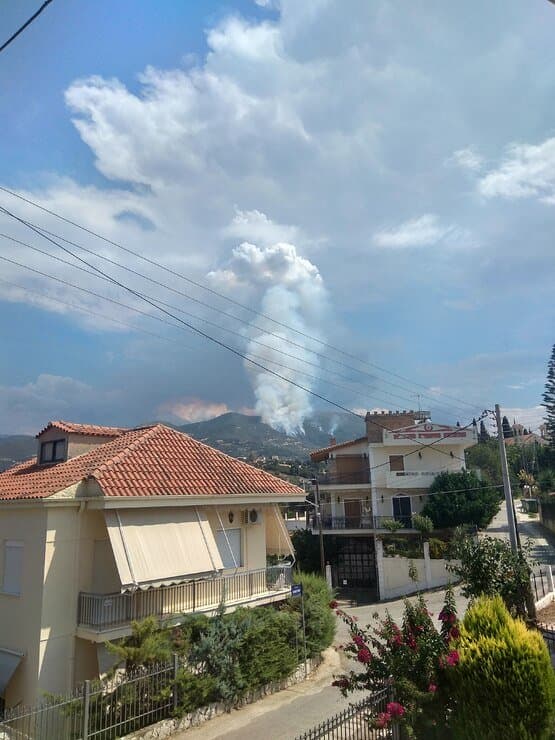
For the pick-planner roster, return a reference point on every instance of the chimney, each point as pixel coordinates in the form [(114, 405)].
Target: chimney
[(333, 441)]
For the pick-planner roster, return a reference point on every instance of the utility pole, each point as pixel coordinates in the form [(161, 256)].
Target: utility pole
[(320, 532), (506, 481)]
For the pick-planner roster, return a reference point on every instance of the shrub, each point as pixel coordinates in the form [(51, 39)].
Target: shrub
[(438, 548), (194, 690), (422, 523), (489, 567), (320, 622), (503, 684), (307, 550), (461, 498)]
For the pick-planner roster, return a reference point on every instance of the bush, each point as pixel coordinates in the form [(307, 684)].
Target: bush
[(194, 690), (406, 546), (503, 684), (489, 567), (320, 622), (438, 548), (307, 550), (423, 524), (465, 499)]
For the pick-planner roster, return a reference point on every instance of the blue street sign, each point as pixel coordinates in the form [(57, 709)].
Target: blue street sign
[(296, 589)]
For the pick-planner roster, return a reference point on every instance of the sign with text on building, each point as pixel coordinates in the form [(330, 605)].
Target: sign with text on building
[(296, 589)]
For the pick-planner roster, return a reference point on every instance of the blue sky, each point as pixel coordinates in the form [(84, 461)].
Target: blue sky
[(378, 176)]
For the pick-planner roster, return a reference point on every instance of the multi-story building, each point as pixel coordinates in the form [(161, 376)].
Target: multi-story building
[(382, 476), (109, 525)]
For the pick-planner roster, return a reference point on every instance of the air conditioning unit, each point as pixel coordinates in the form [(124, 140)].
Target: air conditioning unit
[(250, 516)]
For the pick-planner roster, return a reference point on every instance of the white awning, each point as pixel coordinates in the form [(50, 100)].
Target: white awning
[(157, 547), (278, 541), (9, 660)]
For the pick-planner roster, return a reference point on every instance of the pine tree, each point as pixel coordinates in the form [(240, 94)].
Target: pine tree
[(549, 399), (483, 434), (507, 431)]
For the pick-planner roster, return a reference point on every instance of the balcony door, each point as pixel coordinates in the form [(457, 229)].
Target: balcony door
[(352, 514), (402, 509)]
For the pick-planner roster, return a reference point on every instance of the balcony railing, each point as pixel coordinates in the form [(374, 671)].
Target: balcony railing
[(337, 478), (410, 478), (106, 611), (364, 521)]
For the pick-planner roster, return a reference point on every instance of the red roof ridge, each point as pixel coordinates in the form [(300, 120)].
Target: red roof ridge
[(119, 457), (92, 430)]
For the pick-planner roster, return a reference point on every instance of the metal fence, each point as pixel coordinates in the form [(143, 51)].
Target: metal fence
[(355, 722), (100, 710), (548, 634), (541, 581)]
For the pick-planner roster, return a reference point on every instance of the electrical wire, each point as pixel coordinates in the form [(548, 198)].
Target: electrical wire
[(222, 296), (24, 26), (352, 383)]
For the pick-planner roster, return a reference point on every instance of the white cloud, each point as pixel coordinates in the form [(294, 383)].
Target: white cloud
[(527, 171), (531, 417), (257, 227), (417, 232), (192, 410), (467, 159)]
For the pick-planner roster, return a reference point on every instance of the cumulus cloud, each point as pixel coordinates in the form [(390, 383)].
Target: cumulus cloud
[(257, 227), (527, 171), (423, 231), (192, 410)]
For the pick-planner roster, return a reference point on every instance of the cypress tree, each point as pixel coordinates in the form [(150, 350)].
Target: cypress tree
[(483, 434), (507, 431), (549, 399)]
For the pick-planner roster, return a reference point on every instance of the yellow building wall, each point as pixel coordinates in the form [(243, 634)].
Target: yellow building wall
[(20, 615)]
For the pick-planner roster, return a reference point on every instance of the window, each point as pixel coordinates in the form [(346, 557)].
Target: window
[(13, 567), (396, 463), (54, 451), (229, 547)]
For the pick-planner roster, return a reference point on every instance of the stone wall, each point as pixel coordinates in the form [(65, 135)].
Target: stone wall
[(168, 727)]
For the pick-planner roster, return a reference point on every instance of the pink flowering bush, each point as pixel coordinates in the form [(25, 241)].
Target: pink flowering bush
[(412, 658)]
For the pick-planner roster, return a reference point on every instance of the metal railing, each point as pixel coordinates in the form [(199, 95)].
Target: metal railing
[(105, 611), (362, 521), (337, 478), (100, 710), (548, 634), (540, 582), (355, 722)]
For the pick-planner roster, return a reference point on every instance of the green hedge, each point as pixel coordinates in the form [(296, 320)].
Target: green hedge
[(320, 620), (503, 685)]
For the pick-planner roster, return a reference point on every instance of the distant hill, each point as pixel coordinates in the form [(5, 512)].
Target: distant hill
[(14, 448), (236, 434), (243, 436)]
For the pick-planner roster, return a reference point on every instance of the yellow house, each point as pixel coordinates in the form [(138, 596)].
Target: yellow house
[(107, 525)]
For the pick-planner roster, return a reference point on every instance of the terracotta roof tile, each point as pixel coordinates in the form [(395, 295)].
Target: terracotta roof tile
[(154, 461), (90, 430), (321, 454)]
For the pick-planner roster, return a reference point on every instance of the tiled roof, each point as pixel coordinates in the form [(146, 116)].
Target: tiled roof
[(154, 461), (321, 454), (90, 430)]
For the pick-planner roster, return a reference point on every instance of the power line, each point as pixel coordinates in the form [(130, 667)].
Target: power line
[(24, 26), (201, 333), (281, 337), (223, 296), (334, 373)]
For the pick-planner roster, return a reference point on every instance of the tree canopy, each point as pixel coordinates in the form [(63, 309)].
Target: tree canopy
[(461, 498), (549, 399)]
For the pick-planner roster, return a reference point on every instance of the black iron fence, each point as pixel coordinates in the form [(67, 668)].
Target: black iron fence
[(363, 521), (541, 581), (100, 710), (355, 722)]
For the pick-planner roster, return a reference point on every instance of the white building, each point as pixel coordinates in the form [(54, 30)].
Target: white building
[(382, 476)]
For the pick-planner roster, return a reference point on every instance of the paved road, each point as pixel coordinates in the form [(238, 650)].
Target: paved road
[(542, 540)]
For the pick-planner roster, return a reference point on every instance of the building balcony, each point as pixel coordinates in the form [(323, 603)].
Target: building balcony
[(108, 616), (410, 478), (366, 522), (339, 480)]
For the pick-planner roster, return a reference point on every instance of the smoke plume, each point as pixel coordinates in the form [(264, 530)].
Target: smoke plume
[(292, 291)]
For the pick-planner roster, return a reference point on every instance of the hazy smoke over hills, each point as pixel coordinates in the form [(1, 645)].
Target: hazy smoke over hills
[(292, 292)]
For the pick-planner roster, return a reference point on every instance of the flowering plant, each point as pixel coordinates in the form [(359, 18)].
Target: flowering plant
[(411, 658)]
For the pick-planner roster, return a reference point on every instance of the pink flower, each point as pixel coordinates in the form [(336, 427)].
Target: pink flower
[(394, 709), (454, 633), (364, 655), (382, 720), (359, 642), (333, 604), (432, 688), (453, 658)]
